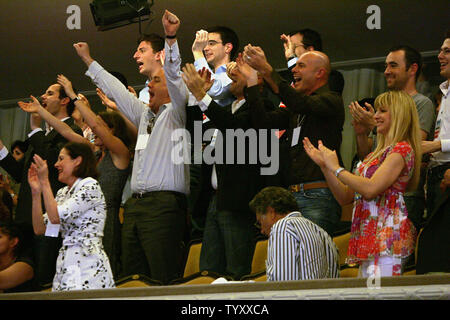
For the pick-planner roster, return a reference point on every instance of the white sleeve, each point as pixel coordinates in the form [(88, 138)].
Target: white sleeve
[(178, 91), (127, 102)]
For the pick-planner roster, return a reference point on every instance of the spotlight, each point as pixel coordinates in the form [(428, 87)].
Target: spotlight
[(111, 14)]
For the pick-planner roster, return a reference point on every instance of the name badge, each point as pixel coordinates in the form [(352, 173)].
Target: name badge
[(295, 136), (52, 230), (142, 141), (213, 139)]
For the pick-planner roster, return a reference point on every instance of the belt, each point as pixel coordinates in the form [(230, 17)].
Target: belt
[(439, 168), (307, 186), (140, 195)]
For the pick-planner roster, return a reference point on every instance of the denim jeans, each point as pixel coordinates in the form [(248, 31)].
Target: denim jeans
[(319, 206), (228, 242)]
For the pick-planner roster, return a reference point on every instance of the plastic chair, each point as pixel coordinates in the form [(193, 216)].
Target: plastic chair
[(259, 256), (192, 265), (346, 271)]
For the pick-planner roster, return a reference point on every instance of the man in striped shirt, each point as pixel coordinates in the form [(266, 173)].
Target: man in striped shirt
[(298, 248)]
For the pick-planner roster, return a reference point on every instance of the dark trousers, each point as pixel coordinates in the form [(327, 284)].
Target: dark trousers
[(46, 251), (228, 242), (434, 193), (152, 235), (112, 240)]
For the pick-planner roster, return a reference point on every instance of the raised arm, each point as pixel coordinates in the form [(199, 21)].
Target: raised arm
[(221, 82), (36, 193), (132, 129), (127, 102), (118, 149), (363, 122), (63, 128), (261, 117), (172, 65), (51, 206)]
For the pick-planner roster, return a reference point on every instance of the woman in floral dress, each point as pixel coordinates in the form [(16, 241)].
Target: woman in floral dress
[(382, 236), (78, 212)]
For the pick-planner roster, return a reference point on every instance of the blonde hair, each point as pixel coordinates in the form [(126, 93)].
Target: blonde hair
[(404, 126)]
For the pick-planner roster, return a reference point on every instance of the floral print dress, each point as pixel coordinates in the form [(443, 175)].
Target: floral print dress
[(380, 227), (82, 263)]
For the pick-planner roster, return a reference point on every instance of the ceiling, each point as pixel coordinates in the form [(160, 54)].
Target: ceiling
[(37, 45)]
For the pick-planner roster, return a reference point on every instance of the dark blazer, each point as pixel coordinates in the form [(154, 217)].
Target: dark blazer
[(237, 183), (47, 147), (433, 252)]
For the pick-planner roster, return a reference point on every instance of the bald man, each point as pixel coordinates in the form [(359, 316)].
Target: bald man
[(312, 111)]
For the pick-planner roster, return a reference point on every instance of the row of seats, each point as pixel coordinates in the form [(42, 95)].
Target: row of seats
[(193, 275)]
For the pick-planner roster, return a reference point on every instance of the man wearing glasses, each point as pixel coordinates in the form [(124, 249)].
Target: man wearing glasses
[(213, 49), (298, 42)]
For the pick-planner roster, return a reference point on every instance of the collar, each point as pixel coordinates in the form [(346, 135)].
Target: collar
[(444, 87), (322, 89), (221, 69), (293, 214), (236, 105), (48, 128)]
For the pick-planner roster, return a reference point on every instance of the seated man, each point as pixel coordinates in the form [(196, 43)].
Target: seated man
[(298, 248)]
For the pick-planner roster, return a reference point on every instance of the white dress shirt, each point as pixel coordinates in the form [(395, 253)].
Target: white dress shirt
[(442, 128)]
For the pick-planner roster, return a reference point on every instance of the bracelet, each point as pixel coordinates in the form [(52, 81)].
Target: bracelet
[(338, 170), (171, 37)]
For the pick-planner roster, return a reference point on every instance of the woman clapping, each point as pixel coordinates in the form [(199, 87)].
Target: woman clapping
[(78, 212)]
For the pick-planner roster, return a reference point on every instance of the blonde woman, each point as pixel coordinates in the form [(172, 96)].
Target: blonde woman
[(382, 236)]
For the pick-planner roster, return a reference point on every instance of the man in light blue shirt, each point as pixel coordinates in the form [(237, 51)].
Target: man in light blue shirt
[(213, 49)]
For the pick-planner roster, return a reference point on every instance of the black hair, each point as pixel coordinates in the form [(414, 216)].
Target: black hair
[(411, 56), (116, 122), (155, 40), (120, 77), (71, 105), (22, 145), (311, 38), (227, 35), (336, 81), (279, 199), (21, 231)]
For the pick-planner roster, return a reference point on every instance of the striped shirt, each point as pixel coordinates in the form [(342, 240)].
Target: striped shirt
[(299, 249)]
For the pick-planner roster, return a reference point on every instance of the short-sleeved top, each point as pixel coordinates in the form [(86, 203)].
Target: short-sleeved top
[(29, 285), (380, 227)]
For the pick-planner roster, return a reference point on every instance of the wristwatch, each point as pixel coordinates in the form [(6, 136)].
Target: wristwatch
[(75, 99), (338, 170)]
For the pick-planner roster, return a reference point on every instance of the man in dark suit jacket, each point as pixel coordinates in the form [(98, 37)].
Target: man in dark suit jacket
[(230, 233), (47, 145), (434, 241)]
